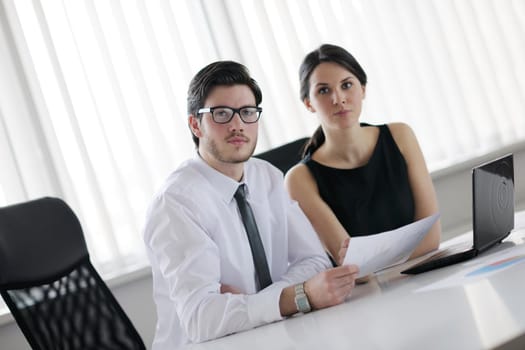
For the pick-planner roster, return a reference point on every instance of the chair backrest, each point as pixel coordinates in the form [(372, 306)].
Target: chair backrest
[(54, 293), (286, 156)]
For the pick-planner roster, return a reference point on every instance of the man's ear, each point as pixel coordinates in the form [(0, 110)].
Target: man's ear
[(308, 105), (195, 125)]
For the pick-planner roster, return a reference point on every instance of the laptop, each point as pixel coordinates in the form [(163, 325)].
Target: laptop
[(492, 214)]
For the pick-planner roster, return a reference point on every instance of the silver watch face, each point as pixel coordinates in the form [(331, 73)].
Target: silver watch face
[(301, 300), (302, 303)]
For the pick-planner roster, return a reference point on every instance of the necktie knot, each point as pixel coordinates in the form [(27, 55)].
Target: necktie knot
[(240, 194)]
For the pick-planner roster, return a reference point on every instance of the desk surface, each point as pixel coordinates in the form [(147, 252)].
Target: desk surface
[(479, 304)]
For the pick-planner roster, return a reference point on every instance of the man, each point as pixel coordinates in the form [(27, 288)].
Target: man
[(208, 282)]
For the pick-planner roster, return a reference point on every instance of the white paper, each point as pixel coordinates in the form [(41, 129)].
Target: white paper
[(379, 251)]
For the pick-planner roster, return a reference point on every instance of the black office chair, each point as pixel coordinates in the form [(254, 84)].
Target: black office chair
[(286, 156), (56, 296)]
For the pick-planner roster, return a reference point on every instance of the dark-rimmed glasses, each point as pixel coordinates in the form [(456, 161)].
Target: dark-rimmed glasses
[(223, 114)]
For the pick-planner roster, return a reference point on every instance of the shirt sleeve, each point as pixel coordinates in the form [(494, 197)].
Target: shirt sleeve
[(306, 254), (189, 263)]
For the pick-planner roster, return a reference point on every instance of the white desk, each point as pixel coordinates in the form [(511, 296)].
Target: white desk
[(393, 312)]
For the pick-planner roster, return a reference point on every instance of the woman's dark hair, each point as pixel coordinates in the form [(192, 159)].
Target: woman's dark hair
[(325, 53), (220, 73)]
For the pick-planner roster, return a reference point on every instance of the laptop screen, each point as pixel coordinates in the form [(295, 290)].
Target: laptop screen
[(493, 201)]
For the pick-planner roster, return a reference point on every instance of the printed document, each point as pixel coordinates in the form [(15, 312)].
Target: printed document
[(386, 249)]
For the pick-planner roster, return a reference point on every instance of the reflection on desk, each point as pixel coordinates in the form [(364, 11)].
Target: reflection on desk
[(395, 311)]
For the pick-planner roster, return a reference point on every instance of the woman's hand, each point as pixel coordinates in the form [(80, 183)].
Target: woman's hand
[(342, 251)]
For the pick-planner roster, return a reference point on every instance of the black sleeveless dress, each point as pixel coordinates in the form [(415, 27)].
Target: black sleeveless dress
[(370, 199)]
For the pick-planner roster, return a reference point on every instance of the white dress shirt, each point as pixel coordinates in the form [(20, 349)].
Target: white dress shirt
[(196, 241)]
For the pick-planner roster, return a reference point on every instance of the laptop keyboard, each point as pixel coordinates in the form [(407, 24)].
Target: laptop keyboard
[(453, 249), (445, 257)]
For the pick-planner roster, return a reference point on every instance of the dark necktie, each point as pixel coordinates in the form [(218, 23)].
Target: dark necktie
[(258, 255)]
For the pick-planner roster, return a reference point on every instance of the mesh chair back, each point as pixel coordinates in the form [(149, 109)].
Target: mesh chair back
[(57, 298), (286, 156)]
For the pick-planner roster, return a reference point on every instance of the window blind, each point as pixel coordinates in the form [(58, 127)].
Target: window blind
[(99, 117)]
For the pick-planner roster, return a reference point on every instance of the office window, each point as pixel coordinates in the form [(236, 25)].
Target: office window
[(106, 83)]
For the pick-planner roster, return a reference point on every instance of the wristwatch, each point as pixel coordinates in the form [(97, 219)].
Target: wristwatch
[(301, 299)]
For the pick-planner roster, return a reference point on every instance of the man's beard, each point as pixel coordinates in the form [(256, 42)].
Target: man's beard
[(235, 158)]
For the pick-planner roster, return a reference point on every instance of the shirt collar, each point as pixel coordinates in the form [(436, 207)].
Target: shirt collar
[(223, 184)]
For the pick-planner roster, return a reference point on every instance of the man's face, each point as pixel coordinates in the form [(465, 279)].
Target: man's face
[(222, 145)]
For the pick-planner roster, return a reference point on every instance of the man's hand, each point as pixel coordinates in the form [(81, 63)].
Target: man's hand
[(331, 287)]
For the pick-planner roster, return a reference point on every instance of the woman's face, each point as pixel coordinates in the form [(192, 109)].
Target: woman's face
[(336, 95)]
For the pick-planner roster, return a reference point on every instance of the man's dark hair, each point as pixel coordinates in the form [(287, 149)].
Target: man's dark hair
[(221, 73)]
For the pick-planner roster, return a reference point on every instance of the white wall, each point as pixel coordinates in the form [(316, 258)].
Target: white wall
[(453, 187)]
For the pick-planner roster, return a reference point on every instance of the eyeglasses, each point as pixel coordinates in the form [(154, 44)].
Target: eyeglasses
[(223, 114)]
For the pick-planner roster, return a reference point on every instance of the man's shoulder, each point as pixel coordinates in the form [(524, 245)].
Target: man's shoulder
[(261, 165), (181, 188), (183, 179), (263, 178)]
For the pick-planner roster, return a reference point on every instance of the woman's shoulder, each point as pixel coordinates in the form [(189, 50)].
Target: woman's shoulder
[(298, 177), (300, 183), (399, 128), (297, 172), (405, 138), (402, 133)]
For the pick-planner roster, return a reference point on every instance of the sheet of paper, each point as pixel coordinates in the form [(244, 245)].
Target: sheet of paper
[(379, 251)]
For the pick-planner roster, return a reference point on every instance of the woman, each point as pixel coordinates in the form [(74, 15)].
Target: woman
[(356, 179)]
